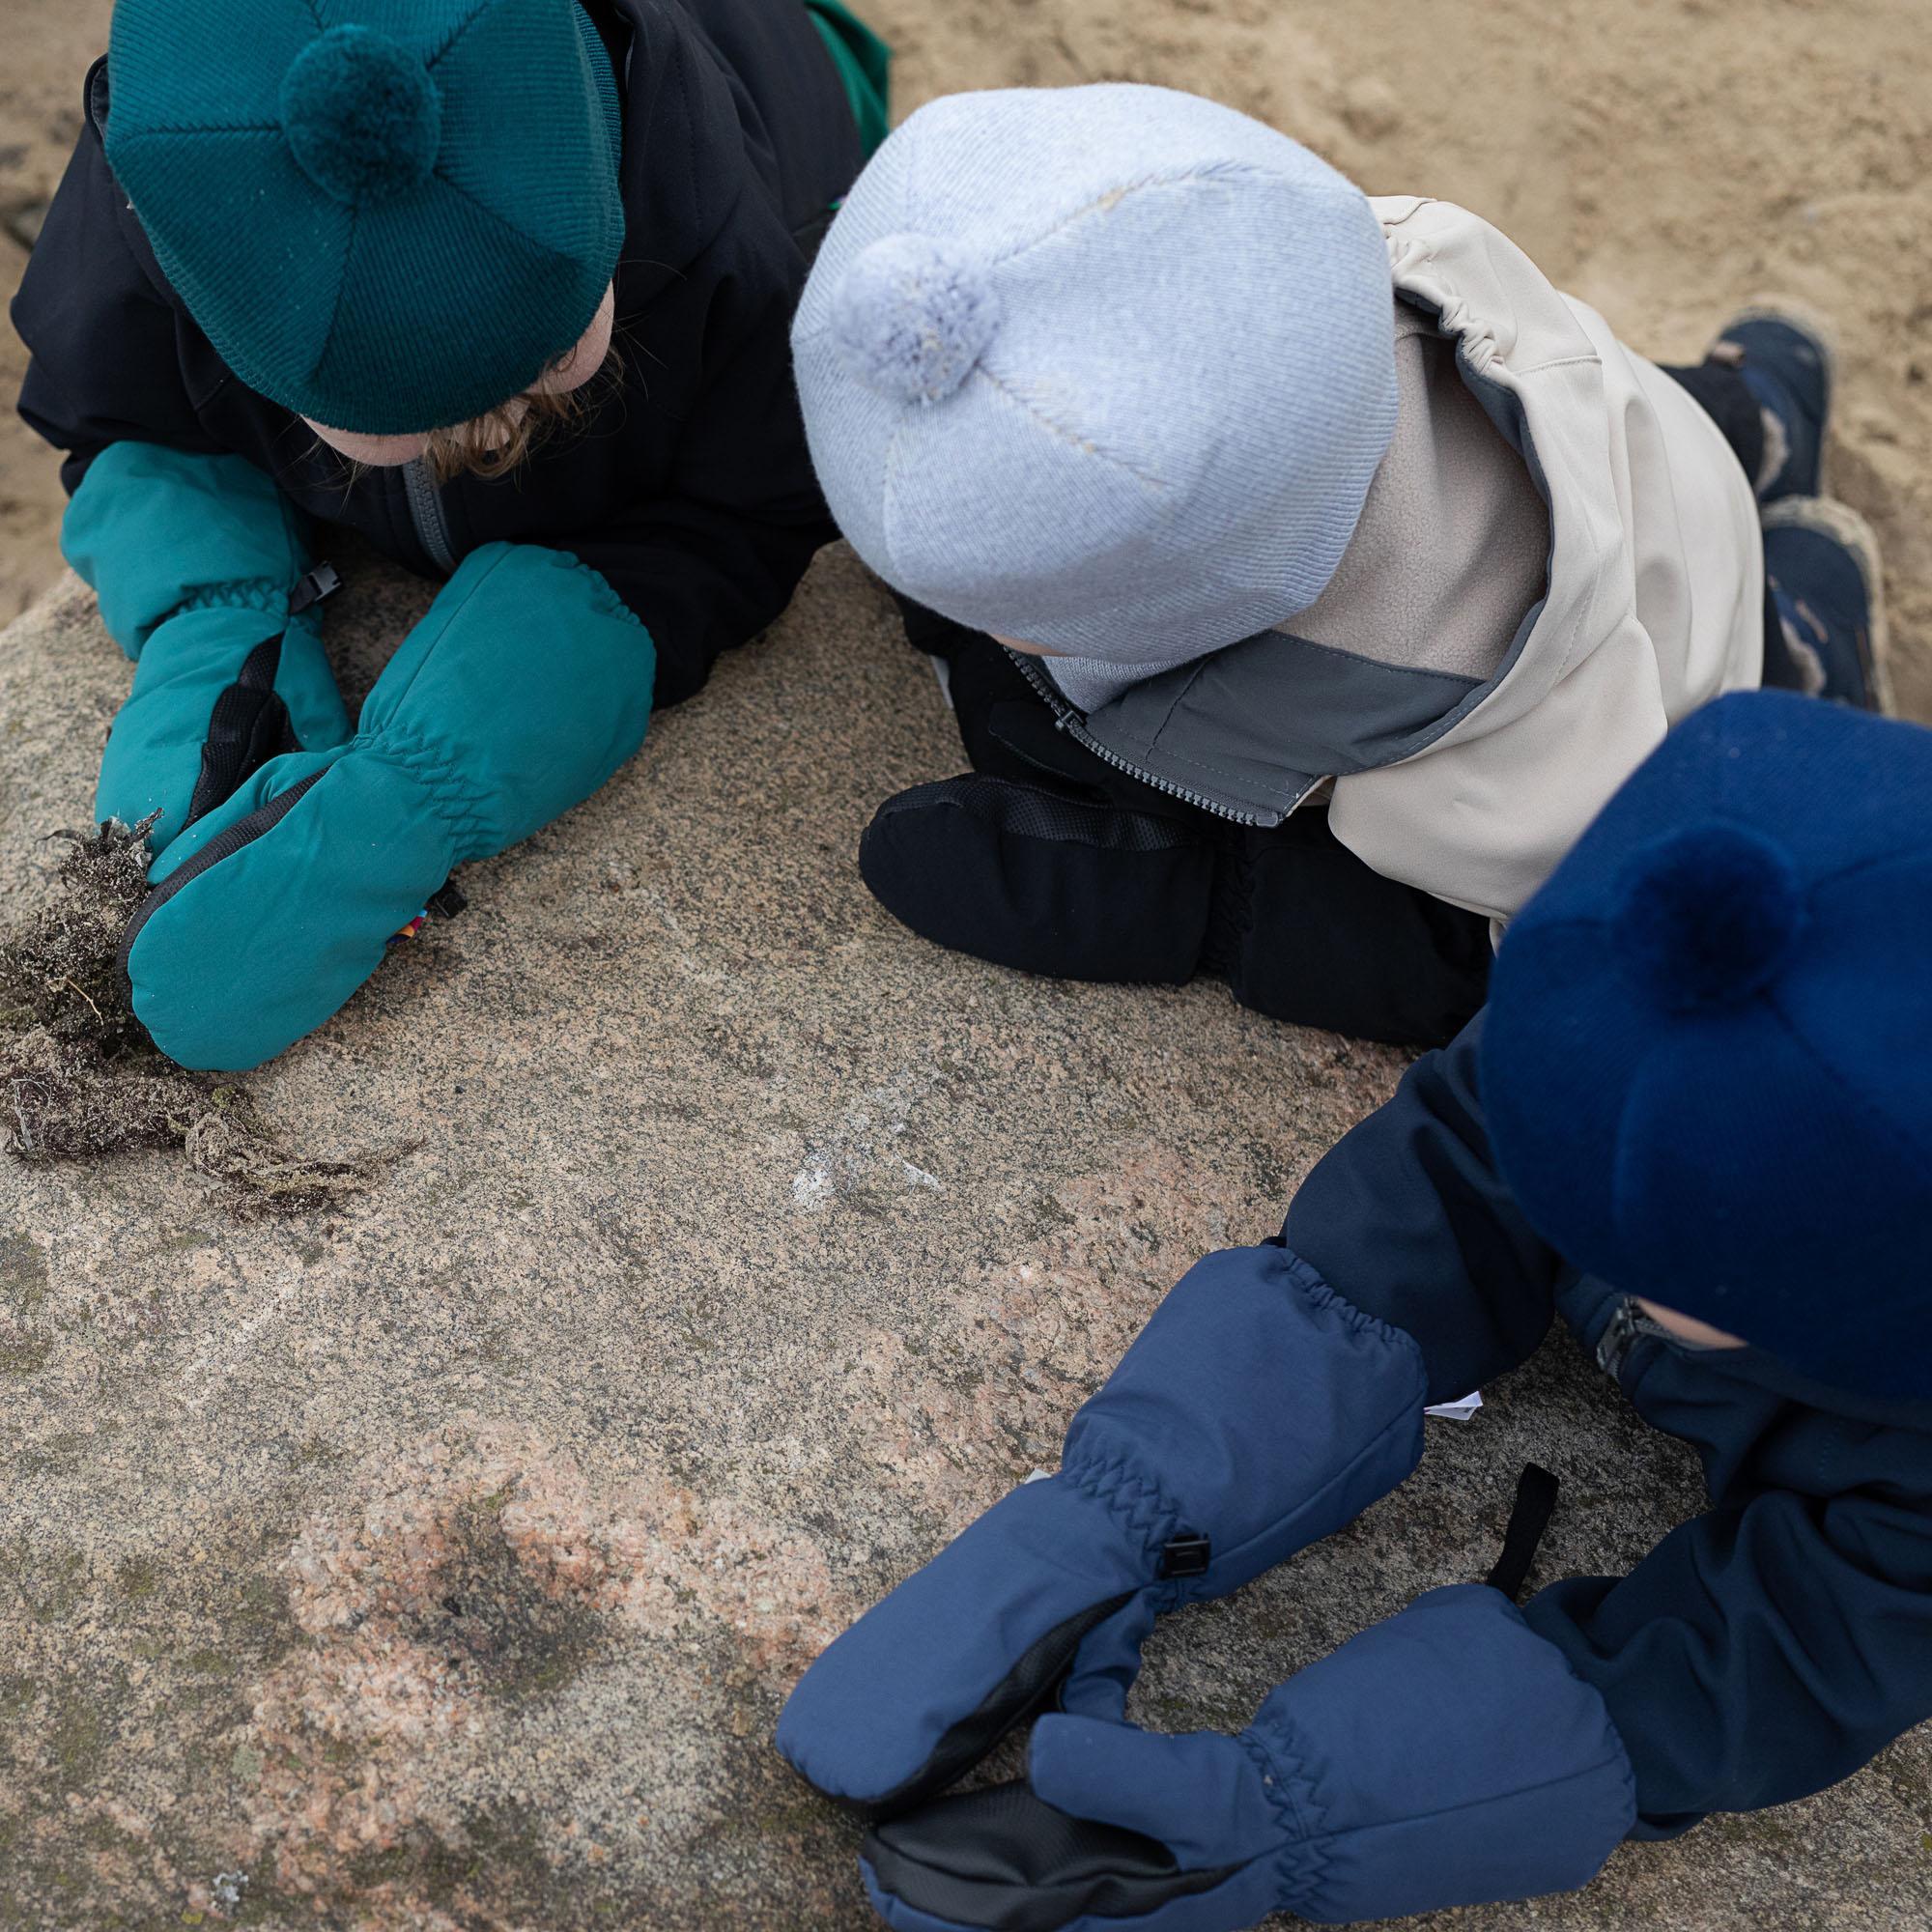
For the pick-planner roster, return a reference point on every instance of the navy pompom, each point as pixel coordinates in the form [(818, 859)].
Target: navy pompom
[(362, 115), (1707, 916), (913, 319)]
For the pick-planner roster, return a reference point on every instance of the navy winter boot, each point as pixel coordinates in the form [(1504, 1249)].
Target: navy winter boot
[(1784, 358), (1824, 581)]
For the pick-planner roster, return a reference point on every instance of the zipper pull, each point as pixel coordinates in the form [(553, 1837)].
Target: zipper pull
[(1614, 1343)]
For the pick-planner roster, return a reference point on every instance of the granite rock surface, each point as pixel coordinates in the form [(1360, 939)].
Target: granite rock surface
[(441, 1562)]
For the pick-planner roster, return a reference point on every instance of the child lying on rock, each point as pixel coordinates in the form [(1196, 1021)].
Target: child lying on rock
[(294, 249), (1695, 1123), (1284, 500)]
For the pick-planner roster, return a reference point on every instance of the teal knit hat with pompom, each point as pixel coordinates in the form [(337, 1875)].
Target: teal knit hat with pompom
[(387, 215)]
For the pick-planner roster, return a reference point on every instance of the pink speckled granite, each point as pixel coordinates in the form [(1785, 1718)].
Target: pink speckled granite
[(441, 1567)]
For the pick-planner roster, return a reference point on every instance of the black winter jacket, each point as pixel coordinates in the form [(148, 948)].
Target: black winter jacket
[(690, 489)]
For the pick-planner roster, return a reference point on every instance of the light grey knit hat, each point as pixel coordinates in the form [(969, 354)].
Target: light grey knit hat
[(1108, 369)]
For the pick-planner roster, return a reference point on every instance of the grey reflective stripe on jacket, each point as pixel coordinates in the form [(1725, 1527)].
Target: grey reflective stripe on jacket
[(1193, 732)]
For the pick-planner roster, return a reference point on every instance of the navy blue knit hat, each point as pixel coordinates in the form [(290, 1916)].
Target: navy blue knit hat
[(387, 215), (1707, 1065)]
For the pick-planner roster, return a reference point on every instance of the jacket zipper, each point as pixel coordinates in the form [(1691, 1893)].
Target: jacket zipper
[(1625, 1329), (224, 845), (426, 514), (1063, 716)]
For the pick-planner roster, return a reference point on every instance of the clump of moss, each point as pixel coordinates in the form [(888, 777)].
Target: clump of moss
[(61, 972), (79, 1079)]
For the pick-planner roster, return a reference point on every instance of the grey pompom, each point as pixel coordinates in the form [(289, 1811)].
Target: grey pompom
[(913, 318)]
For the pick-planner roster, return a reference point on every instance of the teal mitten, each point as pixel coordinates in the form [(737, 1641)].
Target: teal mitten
[(202, 569), (521, 691)]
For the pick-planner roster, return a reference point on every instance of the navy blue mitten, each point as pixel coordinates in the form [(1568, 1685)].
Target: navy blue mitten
[(1448, 1756), (1255, 1414)]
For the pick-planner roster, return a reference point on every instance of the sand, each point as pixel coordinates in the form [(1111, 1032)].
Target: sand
[(46, 46)]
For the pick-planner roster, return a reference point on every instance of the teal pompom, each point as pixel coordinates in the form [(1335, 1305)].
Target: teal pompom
[(362, 115)]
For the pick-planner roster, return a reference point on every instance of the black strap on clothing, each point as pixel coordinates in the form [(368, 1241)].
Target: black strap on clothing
[(248, 725), (1529, 1516)]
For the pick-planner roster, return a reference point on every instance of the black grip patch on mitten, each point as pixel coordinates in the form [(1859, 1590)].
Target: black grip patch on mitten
[(249, 726), (1008, 1861)]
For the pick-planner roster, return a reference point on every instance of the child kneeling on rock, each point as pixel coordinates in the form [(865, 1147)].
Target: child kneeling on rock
[(365, 264), (1346, 566), (1694, 1122)]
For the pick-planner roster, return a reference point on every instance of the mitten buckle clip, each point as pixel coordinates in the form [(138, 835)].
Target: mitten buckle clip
[(1186, 1555), (312, 587)]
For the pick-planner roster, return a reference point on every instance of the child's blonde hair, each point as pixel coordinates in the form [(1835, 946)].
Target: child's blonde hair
[(492, 445)]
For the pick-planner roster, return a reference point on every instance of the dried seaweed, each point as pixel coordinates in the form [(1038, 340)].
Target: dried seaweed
[(79, 1079)]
